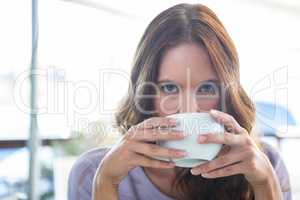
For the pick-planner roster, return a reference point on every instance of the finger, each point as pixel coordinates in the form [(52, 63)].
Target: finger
[(156, 150), (150, 162), (155, 122), (228, 121), (238, 168), (155, 135), (226, 138), (220, 162)]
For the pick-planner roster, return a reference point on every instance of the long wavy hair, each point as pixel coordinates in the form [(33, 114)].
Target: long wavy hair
[(198, 24)]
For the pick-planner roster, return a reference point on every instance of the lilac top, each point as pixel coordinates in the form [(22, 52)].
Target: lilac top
[(136, 185)]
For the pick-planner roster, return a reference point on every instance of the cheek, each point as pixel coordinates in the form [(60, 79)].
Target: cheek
[(166, 105)]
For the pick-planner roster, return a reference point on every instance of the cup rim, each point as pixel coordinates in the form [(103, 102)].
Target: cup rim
[(206, 113)]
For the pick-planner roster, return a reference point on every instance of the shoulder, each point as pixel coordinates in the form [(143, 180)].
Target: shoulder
[(90, 158), (82, 173), (280, 168), (272, 153), (274, 156)]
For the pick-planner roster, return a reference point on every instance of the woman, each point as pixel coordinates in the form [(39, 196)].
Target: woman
[(185, 62)]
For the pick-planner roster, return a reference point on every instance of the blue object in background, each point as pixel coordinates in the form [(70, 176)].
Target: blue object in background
[(270, 116), (4, 153)]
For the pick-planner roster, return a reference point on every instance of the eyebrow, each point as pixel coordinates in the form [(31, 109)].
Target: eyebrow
[(172, 81)]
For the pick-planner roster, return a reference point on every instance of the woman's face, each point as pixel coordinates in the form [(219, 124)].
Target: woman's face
[(187, 81)]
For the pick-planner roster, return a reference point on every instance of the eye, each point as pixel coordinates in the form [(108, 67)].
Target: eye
[(207, 89), (169, 88)]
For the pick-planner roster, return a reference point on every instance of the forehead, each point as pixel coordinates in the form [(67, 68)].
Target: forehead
[(187, 61)]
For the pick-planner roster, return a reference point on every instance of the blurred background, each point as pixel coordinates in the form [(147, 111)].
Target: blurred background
[(80, 52)]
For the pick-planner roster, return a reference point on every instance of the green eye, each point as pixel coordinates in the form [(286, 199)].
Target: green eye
[(207, 89), (169, 88)]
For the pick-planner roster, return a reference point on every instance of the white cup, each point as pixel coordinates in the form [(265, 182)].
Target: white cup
[(193, 125)]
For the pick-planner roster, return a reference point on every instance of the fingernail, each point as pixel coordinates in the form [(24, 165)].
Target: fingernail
[(194, 172), (180, 134), (201, 138), (181, 153), (213, 111), (173, 121)]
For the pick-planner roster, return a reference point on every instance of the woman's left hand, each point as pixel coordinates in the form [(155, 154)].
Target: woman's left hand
[(243, 156)]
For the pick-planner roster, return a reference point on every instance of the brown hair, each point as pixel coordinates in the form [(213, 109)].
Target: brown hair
[(198, 24)]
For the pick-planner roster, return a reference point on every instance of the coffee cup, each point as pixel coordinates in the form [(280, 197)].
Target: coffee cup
[(193, 124)]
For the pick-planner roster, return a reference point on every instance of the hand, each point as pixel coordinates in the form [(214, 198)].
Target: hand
[(135, 149), (242, 156)]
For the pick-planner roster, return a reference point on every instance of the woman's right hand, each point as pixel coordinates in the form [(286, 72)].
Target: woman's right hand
[(135, 149)]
